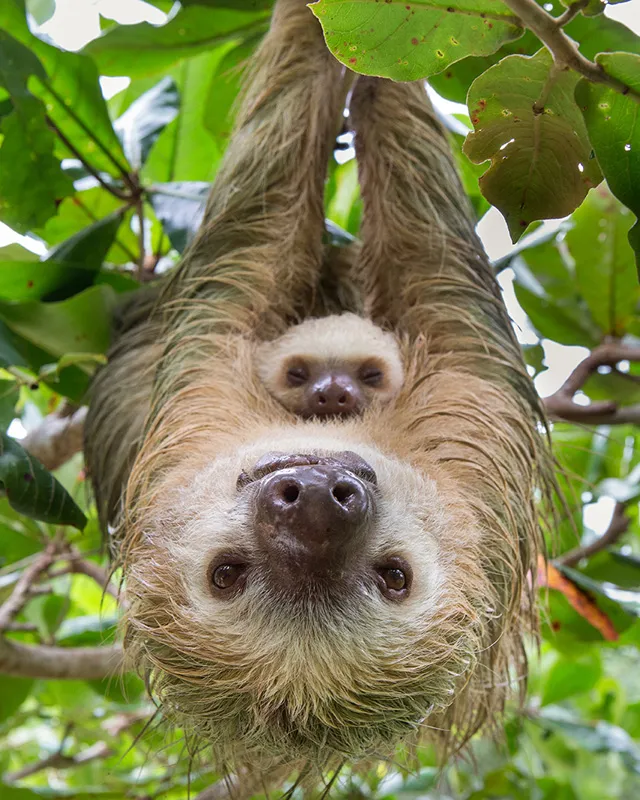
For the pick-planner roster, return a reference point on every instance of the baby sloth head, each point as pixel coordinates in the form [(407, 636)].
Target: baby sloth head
[(336, 365)]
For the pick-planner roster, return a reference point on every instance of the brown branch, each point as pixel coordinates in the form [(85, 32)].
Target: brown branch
[(561, 405), (58, 437), (572, 11), (77, 565), (60, 761), (562, 48), (23, 589), (56, 663), (619, 524), (141, 254)]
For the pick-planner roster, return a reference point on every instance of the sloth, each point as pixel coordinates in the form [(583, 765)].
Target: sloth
[(335, 365), (305, 592)]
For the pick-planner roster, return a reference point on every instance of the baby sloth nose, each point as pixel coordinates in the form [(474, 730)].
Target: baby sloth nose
[(311, 518), (334, 394)]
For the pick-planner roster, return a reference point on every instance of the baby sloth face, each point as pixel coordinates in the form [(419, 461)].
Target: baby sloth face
[(331, 366)]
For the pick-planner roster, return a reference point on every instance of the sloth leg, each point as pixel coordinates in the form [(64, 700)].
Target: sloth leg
[(259, 248), (425, 268)]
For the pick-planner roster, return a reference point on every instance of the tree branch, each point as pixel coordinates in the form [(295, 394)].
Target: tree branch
[(562, 48), (75, 152), (58, 437), (561, 405), (572, 11), (23, 589), (56, 663), (619, 524), (60, 761)]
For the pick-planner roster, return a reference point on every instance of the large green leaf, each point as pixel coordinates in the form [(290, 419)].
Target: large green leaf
[(186, 150), (528, 124), (31, 180), (410, 40), (613, 122), (92, 206), (597, 737), (569, 677), (32, 490), (179, 207), (137, 50), (594, 36), (146, 118), (81, 324), (605, 265), (13, 693), (72, 95)]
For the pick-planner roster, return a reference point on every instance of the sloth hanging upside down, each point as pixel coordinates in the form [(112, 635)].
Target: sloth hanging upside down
[(307, 589)]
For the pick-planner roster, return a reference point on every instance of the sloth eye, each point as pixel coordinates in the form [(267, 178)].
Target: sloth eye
[(394, 578), (372, 376), (296, 376), (226, 576)]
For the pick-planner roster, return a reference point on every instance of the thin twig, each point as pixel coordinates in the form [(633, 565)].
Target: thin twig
[(572, 11), (60, 761), (79, 566), (23, 589), (74, 150), (561, 405), (562, 48), (141, 254), (619, 524)]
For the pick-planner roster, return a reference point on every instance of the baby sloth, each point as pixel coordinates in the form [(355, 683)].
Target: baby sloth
[(336, 365)]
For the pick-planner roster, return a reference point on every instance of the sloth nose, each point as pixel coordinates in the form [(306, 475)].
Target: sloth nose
[(334, 394), (312, 517)]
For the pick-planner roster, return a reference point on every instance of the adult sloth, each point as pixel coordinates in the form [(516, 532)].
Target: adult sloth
[(305, 591)]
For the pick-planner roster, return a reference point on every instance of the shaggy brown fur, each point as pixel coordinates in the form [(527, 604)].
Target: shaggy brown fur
[(269, 677)]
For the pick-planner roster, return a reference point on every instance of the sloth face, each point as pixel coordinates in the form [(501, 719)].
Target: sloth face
[(303, 601)]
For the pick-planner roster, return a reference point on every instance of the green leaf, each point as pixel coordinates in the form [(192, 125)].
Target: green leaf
[(180, 207), (225, 87), (10, 355), (83, 210), (16, 252), (411, 40), (9, 396), (146, 118), (71, 92), (186, 150), (15, 793), (594, 36), (81, 324), (526, 121), (605, 265), (143, 49), (559, 320), (32, 490), (343, 203), (597, 737), (31, 180), (83, 255), (569, 677), (13, 693), (613, 122)]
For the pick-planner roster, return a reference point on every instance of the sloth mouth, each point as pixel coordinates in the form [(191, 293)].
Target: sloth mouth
[(273, 462)]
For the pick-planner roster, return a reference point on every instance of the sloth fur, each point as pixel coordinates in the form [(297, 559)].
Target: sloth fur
[(269, 677)]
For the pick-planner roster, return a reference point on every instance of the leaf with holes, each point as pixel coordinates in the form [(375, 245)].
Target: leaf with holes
[(528, 124), (32, 490), (613, 122), (411, 39)]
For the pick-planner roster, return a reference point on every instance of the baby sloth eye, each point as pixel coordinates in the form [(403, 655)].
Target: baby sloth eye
[(372, 376), (394, 578), (226, 576), (296, 376)]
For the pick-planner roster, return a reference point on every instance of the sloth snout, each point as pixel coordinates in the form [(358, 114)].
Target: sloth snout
[(312, 516)]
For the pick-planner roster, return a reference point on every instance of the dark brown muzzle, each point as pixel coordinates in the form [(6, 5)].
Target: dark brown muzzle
[(310, 519)]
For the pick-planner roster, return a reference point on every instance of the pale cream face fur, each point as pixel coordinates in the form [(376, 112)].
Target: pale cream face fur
[(350, 657), (341, 341)]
